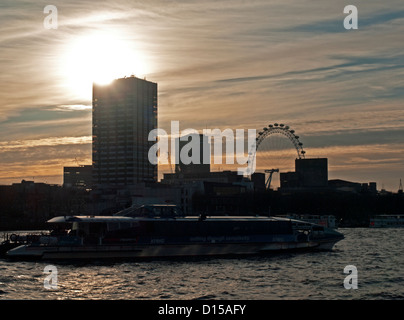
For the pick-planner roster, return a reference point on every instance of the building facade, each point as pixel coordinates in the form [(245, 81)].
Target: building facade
[(124, 112), (312, 172), (78, 177), (202, 160), (309, 173)]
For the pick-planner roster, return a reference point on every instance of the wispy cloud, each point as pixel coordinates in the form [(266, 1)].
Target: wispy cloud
[(227, 64), (333, 24), (5, 146)]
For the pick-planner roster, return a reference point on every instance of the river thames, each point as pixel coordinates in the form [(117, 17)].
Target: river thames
[(377, 255)]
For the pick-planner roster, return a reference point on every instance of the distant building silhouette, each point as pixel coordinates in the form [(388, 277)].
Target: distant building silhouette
[(258, 179), (215, 176), (289, 180), (199, 171), (124, 112), (309, 173), (204, 151), (78, 177), (353, 187), (343, 185), (312, 172)]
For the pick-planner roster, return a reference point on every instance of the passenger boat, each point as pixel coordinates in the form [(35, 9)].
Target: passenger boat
[(153, 231), (387, 221)]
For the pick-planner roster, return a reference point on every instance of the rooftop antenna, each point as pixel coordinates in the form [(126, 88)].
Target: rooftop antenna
[(400, 188)]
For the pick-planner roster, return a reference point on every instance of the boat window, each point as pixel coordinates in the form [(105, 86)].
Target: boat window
[(162, 211), (75, 226)]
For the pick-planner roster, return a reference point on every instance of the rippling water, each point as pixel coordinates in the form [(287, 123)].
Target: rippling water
[(377, 254)]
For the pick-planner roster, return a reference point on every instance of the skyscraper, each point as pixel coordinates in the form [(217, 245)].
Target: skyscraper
[(124, 112)]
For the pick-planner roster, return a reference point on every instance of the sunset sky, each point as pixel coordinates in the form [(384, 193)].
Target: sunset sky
[(218, 64)]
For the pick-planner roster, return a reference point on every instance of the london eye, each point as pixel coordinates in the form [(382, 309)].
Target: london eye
[(277, 147)]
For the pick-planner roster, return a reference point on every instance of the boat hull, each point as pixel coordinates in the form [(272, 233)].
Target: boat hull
[(116, 237), (161, 251)]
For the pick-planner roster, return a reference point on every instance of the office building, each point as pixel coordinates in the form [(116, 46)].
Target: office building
[(309, 173), (124, 112), (312, 172), (78, 177), (202, 160)]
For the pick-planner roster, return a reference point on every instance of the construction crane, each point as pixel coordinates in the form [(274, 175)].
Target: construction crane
[(269, 180), (169, 161), (77, 161)]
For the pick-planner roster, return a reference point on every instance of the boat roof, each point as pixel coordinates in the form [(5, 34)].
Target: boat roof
[(122, 219), (90, 219)]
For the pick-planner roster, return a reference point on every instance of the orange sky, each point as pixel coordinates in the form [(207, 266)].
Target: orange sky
[(228, 64)]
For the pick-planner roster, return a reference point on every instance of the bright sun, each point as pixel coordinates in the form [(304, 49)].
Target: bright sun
[(99, 58)]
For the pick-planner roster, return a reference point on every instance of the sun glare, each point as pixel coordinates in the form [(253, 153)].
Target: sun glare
[(99, 58)]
